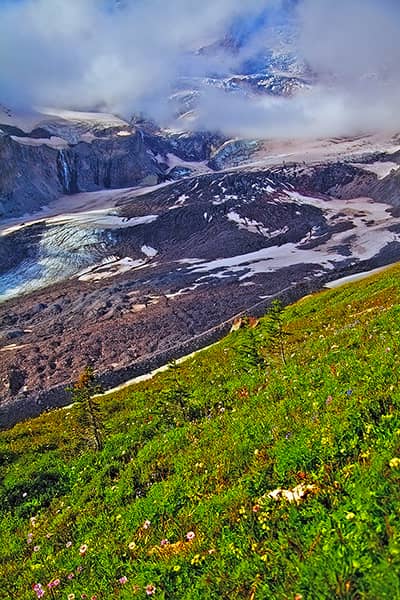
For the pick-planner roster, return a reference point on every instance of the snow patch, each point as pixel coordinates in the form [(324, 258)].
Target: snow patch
[(53, 142), (180, 202), (109, 269), (255, 226), (102, 219), (149, 251), (365, 240), (381, 169)]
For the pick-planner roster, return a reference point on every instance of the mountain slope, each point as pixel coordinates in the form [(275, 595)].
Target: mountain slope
[(130, 287), (199, 450)]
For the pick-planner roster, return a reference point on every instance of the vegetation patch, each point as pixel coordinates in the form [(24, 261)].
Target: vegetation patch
[(266, 467)]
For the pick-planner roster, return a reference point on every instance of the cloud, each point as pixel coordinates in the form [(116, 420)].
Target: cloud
[(127, 55), (352, 47), (91, 52)]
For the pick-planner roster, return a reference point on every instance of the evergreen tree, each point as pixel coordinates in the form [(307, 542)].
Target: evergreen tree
[(89, 412)]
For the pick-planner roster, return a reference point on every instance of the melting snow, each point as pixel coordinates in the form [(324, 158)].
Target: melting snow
[(355, 277), (149, 251), (381, 169), (365, 240), (102, 218), (255, 226), (53, 142), (109, 269)]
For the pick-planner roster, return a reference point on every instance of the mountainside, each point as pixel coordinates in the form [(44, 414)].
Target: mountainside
[(130, 279), (265, 467), (44, 156), (199, 300)]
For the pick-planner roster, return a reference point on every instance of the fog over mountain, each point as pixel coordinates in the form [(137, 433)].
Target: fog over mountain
[(128, 57)]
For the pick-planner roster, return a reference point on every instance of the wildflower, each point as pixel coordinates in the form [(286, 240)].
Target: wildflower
[(36, 548), (132, 546), (79, 569), (84, 596), (48, 535), (24, 495), (83, 549), (328, 400), (394, 463), (33, 521), (53, 584), (349, 392), (256, 508), (298, 597), (164, 542), (93, 598), (70, 576), (68, 544), (146, 524), (29, 538), (123, 580), (190, 536), (37, 588), (71, 596), (150, 589)]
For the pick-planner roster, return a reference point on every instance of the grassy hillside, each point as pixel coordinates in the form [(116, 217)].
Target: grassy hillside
[(176, 505)]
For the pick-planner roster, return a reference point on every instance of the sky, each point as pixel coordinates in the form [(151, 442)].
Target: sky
[(126, 56)]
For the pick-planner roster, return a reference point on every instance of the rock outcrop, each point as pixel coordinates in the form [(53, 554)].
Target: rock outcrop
[(36, 171)]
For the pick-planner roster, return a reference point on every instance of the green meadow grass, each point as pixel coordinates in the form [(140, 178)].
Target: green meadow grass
[(198, 449)]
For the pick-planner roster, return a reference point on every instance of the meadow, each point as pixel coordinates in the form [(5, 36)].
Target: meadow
[(266, 467)]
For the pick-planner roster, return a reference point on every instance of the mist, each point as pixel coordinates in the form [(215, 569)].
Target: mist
[(127, 57)]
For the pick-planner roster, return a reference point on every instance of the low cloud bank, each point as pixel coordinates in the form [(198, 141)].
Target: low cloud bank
[(126, 56)]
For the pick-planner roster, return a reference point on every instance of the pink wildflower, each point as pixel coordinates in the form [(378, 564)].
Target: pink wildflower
[(123, 580), (53, 584), (164, 542), (36, 548), (150, 589), (190, 536), (256, 508), (70, 576), (36, 587)]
